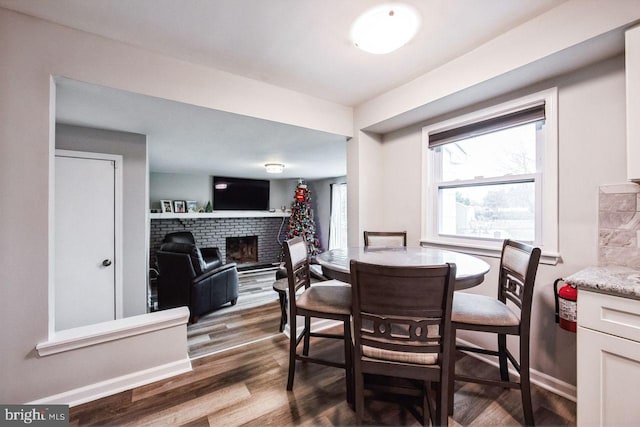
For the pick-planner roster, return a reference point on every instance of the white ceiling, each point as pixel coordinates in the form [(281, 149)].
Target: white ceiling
[(184, 138), (301, 45), (297, 44)]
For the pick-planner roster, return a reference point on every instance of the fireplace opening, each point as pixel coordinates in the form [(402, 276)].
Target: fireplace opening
[(242, 250)]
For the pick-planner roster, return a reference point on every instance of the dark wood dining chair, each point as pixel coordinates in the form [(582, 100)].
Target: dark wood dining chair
[(390, 239), (518, 267), (330, 299), (402, 329)]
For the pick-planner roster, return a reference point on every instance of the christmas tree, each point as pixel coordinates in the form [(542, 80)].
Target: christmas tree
[(301, 222)]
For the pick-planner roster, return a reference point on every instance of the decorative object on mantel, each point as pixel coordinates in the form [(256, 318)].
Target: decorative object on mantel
[(209, 207), (192, 206), (179, 206), (167, 206), (301, 222)]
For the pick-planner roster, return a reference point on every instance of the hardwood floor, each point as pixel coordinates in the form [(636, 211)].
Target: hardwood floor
[(255, 316), (246, 386), (232, 329)]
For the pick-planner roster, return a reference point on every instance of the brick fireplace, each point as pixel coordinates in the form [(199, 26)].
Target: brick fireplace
[(213, 232), (242, 250)]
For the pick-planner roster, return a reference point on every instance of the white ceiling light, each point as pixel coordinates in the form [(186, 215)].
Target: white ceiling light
[(385, 28), (274, 167)]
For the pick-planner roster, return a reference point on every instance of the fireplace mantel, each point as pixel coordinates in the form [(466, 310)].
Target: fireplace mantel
[(221, 214)]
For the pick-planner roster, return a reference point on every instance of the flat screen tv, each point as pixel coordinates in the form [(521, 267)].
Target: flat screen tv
[(239, 194)]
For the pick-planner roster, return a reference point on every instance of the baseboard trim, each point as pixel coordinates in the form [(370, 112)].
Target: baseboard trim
[(547, 382), (112, 386)]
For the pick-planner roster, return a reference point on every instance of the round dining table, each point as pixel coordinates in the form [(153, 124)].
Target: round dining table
[(470, 270)]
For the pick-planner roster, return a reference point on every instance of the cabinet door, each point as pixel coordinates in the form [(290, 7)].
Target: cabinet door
[(608, 379), (632, 67)]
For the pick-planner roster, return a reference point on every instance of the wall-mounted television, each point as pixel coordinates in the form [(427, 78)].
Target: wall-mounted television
[(239, 194)]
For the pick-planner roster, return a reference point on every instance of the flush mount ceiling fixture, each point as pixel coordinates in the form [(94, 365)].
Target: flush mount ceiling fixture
[(385, 28), (274, 167)]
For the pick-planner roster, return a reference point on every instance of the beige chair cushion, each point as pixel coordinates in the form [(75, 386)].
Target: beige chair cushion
[(482, 310), (331, 296), (400, 356)]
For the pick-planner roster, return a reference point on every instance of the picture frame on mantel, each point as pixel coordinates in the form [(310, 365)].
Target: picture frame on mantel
[(192, 206), (167, 206), (179, 206)]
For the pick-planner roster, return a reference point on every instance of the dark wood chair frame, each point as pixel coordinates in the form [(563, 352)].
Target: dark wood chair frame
[(385, 298), (402, 234), (299, 276), (517, 288)]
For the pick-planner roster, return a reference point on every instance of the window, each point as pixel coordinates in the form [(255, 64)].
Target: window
[(338, 224), (492, 175)]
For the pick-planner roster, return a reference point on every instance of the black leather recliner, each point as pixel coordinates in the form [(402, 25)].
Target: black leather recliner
[(212, 256), (185, 280)]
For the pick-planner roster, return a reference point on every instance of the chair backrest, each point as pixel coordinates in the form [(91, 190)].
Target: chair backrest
[(296, 261), (188, 251), (179, 237), (403, 309), (390, 239), (518, 268)]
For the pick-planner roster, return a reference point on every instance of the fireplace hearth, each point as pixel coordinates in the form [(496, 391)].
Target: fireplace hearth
[(242, 250)]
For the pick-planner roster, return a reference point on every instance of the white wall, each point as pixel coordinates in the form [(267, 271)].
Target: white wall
[(33, 51), (179, 186), (133, 148), (591, 153)]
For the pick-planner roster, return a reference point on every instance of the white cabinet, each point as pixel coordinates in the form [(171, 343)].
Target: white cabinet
[(608, 360), (632, 67)]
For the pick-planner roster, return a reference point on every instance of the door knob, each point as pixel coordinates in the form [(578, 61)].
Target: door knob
[(106, 262)]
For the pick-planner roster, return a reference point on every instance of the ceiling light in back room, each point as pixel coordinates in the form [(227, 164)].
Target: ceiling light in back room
[(274, 167), (385, 28)]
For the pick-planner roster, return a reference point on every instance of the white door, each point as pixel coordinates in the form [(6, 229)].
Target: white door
[(85, 246)]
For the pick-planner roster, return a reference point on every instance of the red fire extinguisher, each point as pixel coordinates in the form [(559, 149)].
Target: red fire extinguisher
[(566, 305)]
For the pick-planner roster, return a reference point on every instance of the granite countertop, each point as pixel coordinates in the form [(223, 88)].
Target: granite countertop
[(612, 280)]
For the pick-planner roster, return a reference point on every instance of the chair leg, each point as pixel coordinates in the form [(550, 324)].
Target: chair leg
[(359, 396), (348, 360), (502, 357), (283, 309), (525, 382), (293, 335), (307, 335), (426, 409), (452, 372), (442, 399)]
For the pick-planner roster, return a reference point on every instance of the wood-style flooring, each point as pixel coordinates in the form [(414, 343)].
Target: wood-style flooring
[(246, 386), (255, 316)]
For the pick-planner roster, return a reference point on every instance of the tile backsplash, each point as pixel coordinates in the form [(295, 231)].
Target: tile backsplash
[(619, 225)]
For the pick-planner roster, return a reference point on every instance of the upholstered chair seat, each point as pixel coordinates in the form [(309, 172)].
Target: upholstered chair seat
[(482, 310), (328, 297), (399, 356)]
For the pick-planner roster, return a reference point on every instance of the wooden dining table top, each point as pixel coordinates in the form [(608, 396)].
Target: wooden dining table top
[(470, 270)]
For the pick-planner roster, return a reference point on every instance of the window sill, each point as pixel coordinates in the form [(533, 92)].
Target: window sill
[(548, 258), (85, 336)]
